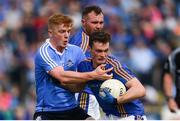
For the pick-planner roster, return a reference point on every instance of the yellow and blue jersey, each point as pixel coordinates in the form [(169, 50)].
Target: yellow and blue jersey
[(81, 39), (120, 72)]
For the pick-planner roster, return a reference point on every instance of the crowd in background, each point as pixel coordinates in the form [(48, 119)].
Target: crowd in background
[(144, 33)]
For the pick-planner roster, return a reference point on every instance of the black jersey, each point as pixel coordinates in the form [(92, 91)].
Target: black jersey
[(172, 66)]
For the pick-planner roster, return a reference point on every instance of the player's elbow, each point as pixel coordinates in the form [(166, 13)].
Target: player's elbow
[(64, 80), (142, 91)]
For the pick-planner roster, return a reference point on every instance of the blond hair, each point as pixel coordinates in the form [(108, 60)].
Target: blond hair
[(57, 19)]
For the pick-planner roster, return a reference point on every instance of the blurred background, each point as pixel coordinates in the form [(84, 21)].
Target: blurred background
[(144, 33)]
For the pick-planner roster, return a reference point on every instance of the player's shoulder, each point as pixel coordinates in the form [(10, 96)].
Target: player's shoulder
[(74, 50), (177, 50), (42, 52), (76, 37), (42, 49), (85, 64), (116, 64), (113, 61), (86, 61), (73, 47)]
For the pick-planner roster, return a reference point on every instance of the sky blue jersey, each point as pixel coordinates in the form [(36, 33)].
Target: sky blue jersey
[(120, 72), (51, 96)]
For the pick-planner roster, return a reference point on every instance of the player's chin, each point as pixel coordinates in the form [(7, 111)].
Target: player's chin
[(101, 62), (65, 44)]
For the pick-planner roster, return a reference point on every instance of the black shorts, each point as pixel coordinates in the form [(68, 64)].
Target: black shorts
[(73, 114)]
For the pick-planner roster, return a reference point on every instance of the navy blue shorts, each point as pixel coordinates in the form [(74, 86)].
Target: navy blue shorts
[(73, 114)]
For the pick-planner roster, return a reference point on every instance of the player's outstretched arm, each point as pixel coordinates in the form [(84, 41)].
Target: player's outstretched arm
[(72, 77), (135, 90), (167, 85)]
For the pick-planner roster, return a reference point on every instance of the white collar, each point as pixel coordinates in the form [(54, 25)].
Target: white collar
[(59, 53)]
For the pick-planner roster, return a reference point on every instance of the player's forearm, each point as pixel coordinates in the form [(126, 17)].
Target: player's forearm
[(135, 91), (167, 85), (130, 95), (70, 77), (77, 77)]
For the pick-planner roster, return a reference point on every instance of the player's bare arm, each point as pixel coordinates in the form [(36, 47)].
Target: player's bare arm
[(72, 77), (136, 90), (79, 87), (167, 85)]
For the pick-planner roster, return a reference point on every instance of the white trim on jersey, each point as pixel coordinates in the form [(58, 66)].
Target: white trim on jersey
[(45, 56)]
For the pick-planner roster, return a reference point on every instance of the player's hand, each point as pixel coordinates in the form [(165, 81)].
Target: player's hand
[(101, 73), (108, 98), (172, 105)]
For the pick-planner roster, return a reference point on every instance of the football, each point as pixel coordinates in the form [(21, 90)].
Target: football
[(114, 86)]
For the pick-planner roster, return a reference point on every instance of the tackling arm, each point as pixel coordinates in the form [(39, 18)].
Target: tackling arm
[(72, 77)]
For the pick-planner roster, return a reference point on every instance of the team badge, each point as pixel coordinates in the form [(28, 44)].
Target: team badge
[(69, 63)]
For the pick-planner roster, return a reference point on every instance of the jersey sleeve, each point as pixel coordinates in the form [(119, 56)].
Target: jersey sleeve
[(46, 60), (166, 67)]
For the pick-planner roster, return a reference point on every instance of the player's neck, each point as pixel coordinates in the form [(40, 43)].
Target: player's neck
[(95, 65), (55, 46), (60, 49), (85, 31)]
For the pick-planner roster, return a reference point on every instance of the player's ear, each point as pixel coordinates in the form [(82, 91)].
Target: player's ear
[(50, 32), (83, 21)]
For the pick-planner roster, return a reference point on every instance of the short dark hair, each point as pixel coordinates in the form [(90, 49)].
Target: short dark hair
[(99, 36), (91, 8)]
